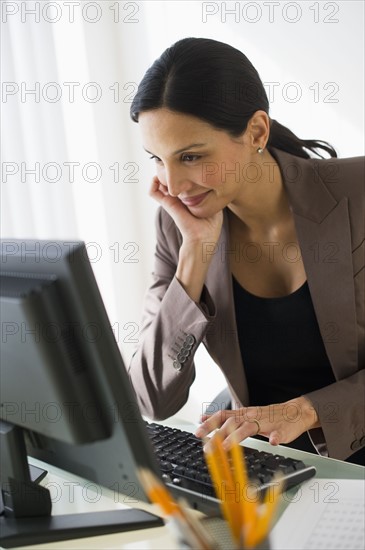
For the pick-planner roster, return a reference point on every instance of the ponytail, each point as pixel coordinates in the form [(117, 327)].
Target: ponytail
[(283, 138)]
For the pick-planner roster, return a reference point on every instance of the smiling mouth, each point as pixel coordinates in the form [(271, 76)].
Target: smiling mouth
[(194, 200)]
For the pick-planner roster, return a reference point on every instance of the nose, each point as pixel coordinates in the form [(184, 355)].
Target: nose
[(176, 181)]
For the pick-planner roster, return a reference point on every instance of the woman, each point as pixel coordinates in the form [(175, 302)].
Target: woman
[(259, 256)]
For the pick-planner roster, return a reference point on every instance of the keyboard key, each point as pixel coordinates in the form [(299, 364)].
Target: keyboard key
[(298, 464), (264, 477), (181, 460), (166, 466), (191, 472)]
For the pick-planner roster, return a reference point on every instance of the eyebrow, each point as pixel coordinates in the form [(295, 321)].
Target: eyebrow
[(183, 148)]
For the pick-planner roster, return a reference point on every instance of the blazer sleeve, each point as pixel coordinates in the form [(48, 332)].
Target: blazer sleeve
[(341, 405), (341, 410), (162, 368)]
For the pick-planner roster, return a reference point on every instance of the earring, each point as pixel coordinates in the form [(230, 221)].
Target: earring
[(260, 150)]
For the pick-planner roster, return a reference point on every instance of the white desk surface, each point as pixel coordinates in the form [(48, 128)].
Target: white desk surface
[(71, 494)]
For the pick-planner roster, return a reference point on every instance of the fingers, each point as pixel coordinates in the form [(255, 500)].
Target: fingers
[(211, 423), (157, 190), (233, 418), (275, 438), (231, 425), (273, 422), (205, 417), (171, 204)]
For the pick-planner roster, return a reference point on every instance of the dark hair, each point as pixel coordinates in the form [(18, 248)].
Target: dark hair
[(216, 83)]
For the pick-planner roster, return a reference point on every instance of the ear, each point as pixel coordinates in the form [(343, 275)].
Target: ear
[(258, 129)]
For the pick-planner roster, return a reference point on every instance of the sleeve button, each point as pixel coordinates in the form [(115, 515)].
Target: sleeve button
[(177, 365), (187, 346), (190, 339), (355, 445)]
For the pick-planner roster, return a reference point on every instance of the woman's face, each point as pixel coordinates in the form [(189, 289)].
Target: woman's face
[(204, 167)]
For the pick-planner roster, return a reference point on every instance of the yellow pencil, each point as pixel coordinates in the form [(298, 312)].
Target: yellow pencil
[(207, 541), (268, 509), (248, 507), (181, 522), (222, 476), (157, 492), (249, 522), (212, 462)]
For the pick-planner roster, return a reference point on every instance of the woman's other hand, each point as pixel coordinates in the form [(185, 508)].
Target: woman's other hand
[(280, 423)]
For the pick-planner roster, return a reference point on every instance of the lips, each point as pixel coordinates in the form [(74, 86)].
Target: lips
[(195, 200)]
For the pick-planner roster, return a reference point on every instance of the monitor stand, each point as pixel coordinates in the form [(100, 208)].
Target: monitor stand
[(36, 474), (26, 515)]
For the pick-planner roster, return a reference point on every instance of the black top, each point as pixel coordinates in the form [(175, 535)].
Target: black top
[(282, 348)]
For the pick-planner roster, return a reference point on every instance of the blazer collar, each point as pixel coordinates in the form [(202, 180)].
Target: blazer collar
[(308, 195)]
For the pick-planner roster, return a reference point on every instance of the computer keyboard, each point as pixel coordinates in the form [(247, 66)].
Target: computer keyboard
[(181, 459)]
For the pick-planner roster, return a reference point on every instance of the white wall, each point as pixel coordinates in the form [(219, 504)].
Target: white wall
[(314, 49)]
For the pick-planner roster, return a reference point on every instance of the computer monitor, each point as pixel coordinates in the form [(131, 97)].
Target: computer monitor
[(65, 394)]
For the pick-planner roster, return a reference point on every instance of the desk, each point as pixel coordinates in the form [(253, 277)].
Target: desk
[(72, 494)]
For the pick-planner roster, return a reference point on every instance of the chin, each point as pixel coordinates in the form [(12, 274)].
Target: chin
[(203, 211)]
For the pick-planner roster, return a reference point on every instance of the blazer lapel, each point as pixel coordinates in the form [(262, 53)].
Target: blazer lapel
[(221, 337), (324, 235)]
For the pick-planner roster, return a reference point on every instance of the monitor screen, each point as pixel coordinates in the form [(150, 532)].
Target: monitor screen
[(65, 394)]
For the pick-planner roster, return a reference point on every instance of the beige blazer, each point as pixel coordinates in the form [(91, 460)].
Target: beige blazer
[(327, 201)]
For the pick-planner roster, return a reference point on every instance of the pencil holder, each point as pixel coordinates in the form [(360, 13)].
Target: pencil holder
[(219, 530), (264, 545)]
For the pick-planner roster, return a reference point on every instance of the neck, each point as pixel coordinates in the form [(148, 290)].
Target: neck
[(262, 205)]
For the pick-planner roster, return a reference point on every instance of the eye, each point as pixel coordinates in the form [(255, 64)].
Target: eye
[(153, 157), (189, 158)]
